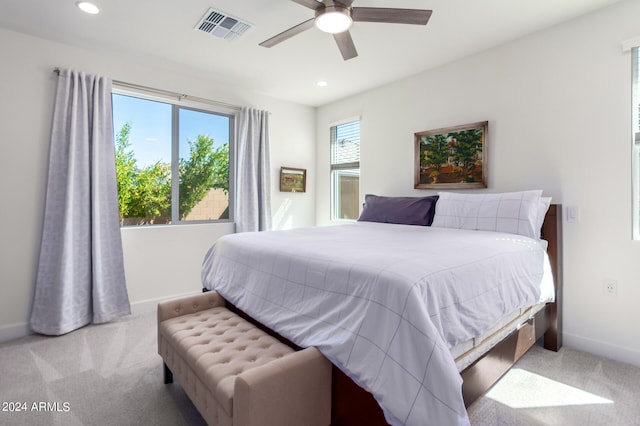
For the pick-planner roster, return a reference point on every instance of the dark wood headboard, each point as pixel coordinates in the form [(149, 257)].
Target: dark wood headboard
[(552, 233)]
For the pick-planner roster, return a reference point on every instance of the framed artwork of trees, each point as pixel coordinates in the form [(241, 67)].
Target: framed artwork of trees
[(452, 157)]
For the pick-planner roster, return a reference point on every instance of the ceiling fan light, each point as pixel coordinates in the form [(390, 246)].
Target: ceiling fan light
[(88, 7), (333, 21)]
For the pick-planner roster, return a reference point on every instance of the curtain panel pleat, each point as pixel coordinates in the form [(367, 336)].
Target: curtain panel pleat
[(80, 277), (253, 182)]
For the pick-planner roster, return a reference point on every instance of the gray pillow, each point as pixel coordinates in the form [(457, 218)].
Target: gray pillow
[(401, 210)]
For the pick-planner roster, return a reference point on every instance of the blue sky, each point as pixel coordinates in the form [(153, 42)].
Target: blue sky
[(151, 127)]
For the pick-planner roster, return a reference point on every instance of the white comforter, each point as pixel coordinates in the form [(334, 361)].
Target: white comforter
[(383, 302)]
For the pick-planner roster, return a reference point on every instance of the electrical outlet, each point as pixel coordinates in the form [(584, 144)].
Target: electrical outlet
[(610, 287)]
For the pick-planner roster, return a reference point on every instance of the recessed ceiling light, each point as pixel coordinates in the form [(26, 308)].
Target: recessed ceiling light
[(87, 7), (322, 83)]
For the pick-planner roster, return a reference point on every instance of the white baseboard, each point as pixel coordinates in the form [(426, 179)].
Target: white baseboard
[(603, 349), (150, 305), (16, 331)]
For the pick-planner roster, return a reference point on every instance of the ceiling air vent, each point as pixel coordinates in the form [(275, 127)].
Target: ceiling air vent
[(222, 25)]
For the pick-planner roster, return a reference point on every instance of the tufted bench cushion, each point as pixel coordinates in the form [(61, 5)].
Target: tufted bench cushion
[(235, 373)]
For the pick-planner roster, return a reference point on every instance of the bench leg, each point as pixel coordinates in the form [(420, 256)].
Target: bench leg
[(168, 375)]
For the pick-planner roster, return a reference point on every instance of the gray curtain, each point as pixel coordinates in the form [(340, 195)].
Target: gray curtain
[(253, 183), (80, 275)]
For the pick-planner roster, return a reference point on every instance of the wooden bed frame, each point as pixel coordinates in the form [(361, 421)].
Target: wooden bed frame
[(352, 405)]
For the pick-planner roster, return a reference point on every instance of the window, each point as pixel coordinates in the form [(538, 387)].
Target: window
[(345, 171), (172, 162), (636, 145)]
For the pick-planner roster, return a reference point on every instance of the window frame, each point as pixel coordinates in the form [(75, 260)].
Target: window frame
[(352, 168), (635, 139), (190, 105), (335, 184)]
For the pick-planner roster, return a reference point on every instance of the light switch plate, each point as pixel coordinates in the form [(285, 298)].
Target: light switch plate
[(573, 214)]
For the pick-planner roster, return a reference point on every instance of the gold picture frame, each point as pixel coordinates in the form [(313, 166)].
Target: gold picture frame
[(293, 180)]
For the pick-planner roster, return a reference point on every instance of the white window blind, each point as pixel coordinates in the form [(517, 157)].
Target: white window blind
[(636, 91), (345, 145)]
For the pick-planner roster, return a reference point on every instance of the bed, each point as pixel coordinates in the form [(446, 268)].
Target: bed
[(394, 310)]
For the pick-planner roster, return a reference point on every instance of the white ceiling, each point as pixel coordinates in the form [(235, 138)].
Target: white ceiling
[(161, 32)]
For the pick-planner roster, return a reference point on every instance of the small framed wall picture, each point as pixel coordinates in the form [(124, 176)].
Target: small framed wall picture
[(293, 180)]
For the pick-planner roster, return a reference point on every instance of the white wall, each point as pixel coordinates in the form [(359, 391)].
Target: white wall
[(160, 262), (559, 109)]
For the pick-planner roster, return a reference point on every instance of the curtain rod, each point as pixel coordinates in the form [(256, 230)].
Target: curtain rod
[(179, 96)]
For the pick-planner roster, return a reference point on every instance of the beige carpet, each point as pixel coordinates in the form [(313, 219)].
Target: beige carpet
[(108, 374), (111, 375), (564, 388)]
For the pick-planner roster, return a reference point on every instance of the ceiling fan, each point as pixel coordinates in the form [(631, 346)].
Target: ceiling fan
[(336, 17)]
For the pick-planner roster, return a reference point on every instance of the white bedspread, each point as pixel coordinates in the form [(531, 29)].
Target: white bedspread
[(383, 302)]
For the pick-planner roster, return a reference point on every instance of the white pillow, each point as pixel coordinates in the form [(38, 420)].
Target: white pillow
[(512, 212), (543, 206)]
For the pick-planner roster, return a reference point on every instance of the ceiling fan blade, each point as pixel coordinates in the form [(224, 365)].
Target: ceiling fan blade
[(311, 4), (388, 15), (345, 44), (287, 34)]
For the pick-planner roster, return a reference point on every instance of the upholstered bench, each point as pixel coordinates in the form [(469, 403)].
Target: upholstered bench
[(235, 373)]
